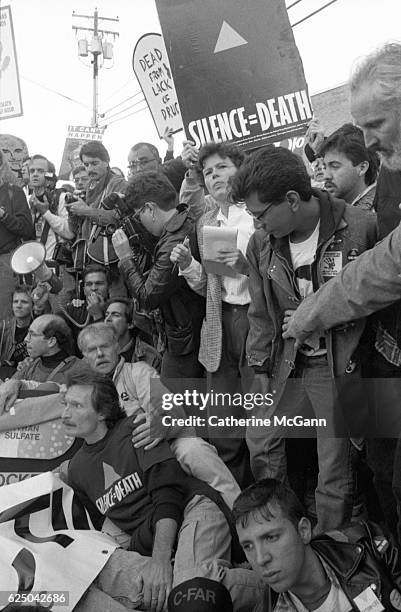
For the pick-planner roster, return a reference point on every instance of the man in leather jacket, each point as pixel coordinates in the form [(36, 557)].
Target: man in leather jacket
[(154, 200), (355, 568), (304, 237)]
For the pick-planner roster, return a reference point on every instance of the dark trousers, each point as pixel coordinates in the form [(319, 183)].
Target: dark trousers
[(180, 366), (233, 376), (384, 453)]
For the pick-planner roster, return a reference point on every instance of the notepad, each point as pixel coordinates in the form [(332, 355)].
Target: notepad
[(216, 239)]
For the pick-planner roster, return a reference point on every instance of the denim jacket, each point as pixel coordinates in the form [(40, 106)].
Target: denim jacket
[(345, 232)]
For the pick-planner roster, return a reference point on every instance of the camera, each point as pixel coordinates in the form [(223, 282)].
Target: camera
[(70, 198), (139, 238), (63, 254)]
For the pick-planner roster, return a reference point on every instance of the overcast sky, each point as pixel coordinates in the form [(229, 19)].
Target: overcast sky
[(329, 43)]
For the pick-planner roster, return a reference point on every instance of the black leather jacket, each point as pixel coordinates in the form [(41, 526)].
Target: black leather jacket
[(360, 556), (162, 287)]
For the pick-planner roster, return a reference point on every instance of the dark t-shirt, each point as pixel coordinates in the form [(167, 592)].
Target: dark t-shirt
[(132, 487)]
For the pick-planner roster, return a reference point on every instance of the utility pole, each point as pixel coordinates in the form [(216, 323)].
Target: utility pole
[(98, 47)]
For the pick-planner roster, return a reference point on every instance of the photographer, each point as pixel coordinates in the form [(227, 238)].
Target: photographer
[(49, 214), (95, 158), (90, 219), (154, 200), (81, 179)]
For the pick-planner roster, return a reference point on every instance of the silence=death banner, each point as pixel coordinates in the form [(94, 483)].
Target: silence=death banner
[(237, 71)]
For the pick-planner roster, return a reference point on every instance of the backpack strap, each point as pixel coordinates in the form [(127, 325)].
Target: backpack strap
[(59, 367)]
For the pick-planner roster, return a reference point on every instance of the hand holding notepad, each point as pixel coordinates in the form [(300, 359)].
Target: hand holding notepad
[(215, 240)]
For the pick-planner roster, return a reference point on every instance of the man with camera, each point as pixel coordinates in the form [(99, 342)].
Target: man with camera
[(81, 179), (153, 199), (90, 219), (49, 214), (102, 181)]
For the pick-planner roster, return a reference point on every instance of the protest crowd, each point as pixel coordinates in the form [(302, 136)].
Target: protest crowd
[(265, 278)]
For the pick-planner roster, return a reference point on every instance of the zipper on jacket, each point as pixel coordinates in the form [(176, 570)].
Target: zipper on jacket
[(291, 275)]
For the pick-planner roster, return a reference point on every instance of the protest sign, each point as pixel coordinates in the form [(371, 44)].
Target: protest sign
[(77, 135), (152, 69), (32, 438), (237, 71), (10, 91), (45, 537)]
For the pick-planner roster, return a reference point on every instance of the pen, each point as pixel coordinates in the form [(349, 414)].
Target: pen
[(184, 243)]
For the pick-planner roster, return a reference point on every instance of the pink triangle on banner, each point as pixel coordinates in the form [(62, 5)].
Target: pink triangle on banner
[(228, 38)]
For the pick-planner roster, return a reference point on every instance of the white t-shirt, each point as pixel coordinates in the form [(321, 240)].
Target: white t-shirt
[(336, 601), (302, 256)]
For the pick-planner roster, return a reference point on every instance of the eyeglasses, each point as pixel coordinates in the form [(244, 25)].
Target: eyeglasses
[(140, 163), (138, 213), (260, 215), (32, 334)]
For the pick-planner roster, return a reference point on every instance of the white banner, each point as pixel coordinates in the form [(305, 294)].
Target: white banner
[(48, 542), (152, 69), (10, 92)]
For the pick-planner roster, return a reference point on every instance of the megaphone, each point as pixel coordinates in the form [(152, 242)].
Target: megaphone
[(29, 258)]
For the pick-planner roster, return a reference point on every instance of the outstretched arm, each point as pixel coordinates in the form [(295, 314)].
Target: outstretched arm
[(368, 284)]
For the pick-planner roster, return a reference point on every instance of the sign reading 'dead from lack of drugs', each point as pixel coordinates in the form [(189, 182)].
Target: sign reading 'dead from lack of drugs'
[(10, 91), (152, 69), (237, 70)]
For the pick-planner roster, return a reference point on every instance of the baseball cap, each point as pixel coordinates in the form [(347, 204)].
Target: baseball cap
[(200, 595)]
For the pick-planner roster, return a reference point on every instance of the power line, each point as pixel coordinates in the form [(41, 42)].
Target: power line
[(125, 117), (293, 4), (124, 109), (58, 93), (314, 13), (118, 90), (123, 102)]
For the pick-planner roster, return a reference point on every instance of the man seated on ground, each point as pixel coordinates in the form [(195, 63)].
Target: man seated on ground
[(350, 168), (132, 346), (49, 345), (140, 392), (355, 568), (13, 332), (147, 495)]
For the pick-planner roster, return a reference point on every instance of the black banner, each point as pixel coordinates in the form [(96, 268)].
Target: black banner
[(237, 70)]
